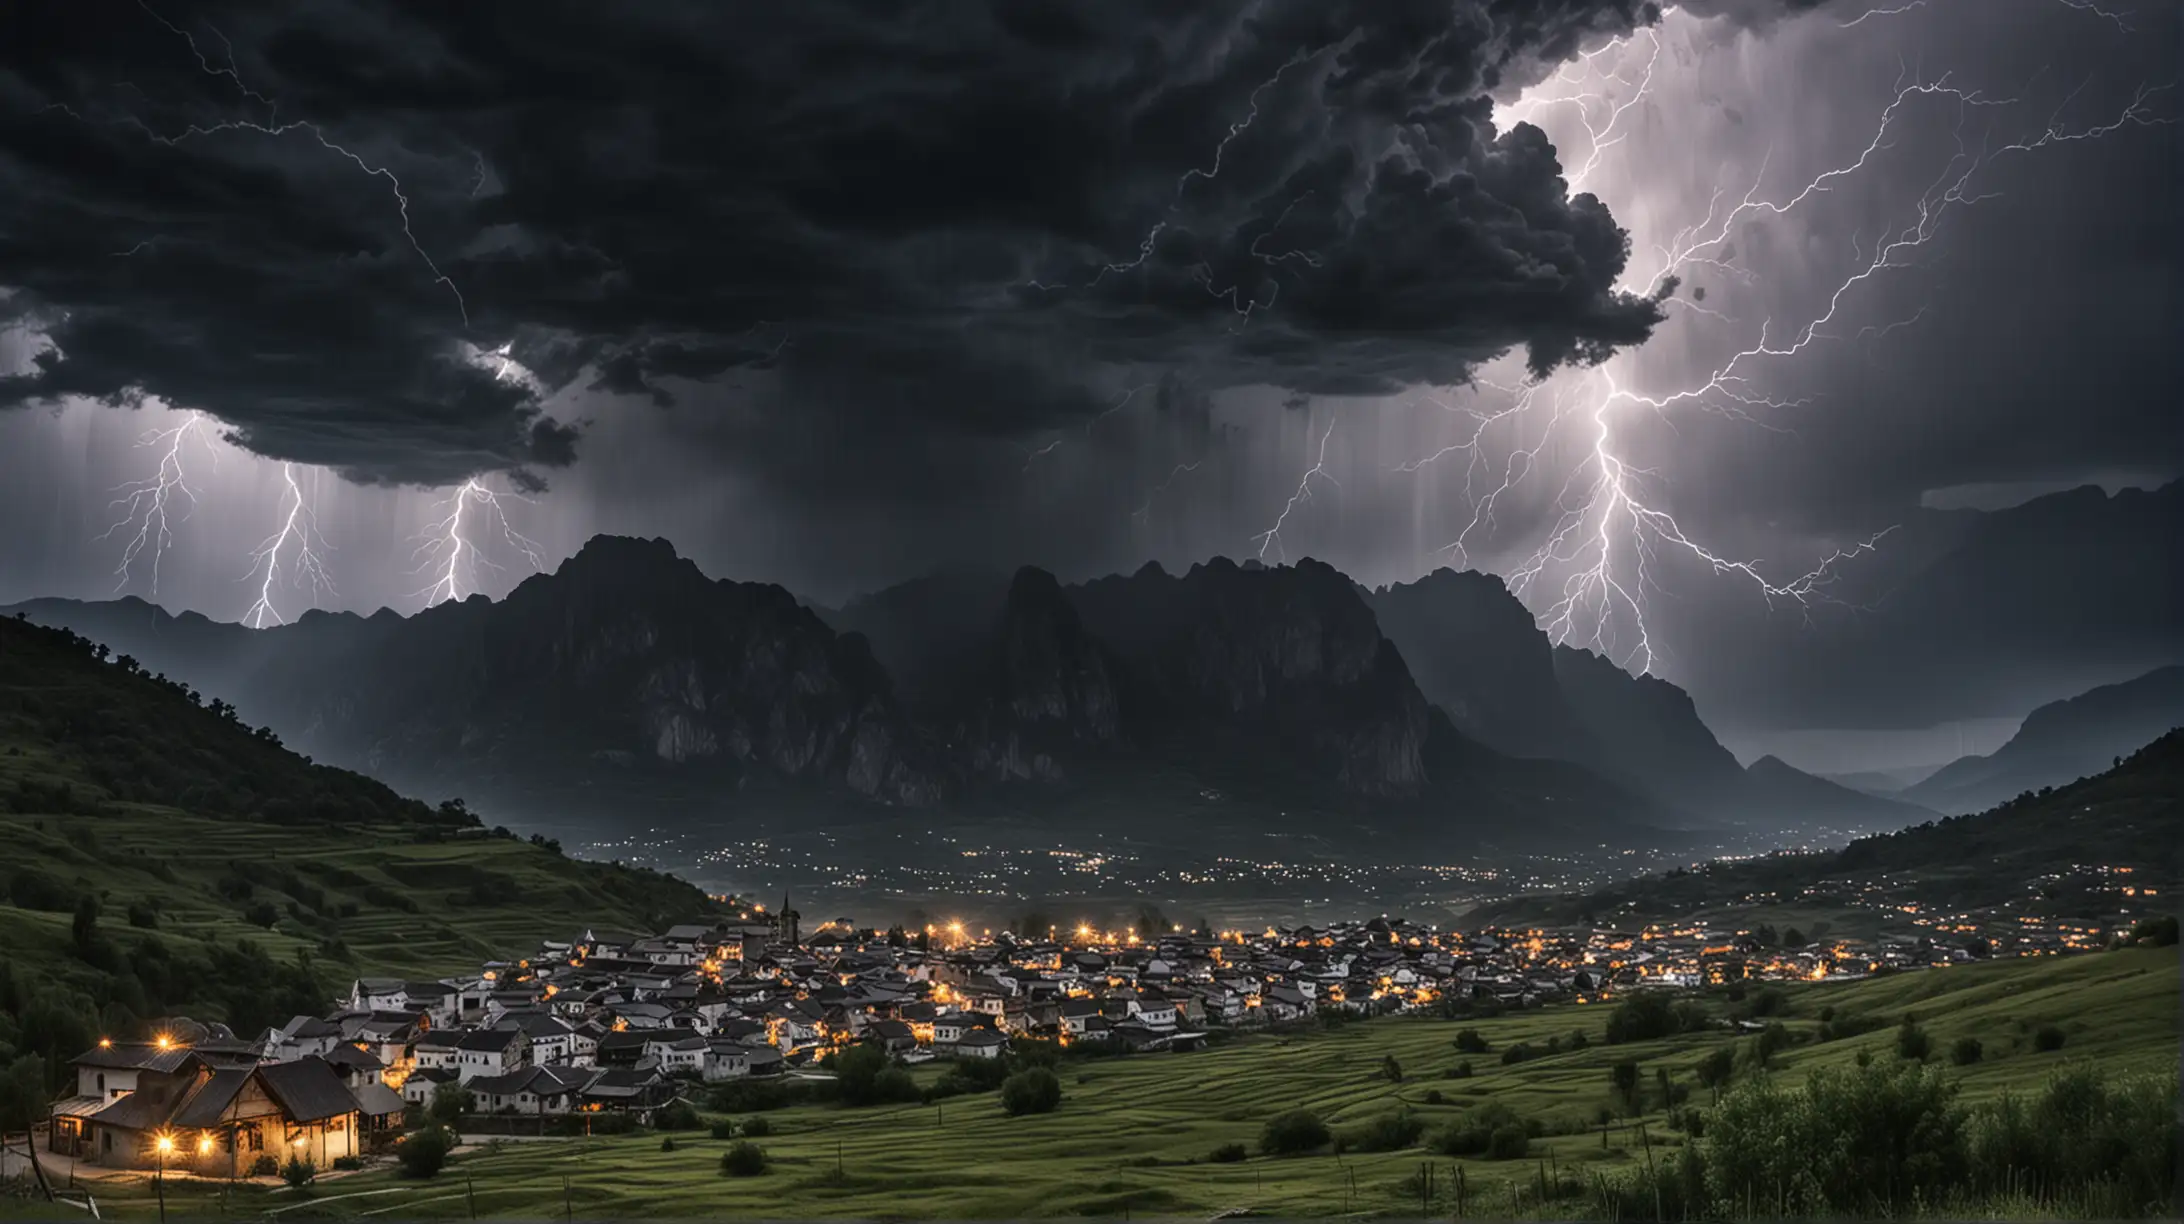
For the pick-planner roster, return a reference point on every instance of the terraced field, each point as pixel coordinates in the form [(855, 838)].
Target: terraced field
[(1134, 1135)]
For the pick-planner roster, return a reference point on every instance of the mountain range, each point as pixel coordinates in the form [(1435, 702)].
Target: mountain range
[(1435, 707), (2059, 743), (2065, 591)]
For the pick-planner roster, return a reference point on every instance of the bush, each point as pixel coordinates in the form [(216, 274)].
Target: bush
[(1911, 1041), (1434, 1097), (1473, 1133), (756, 1128), (1645, 1016), (1578, 1040), (2048, 1040), (1853, 1143), (1031, 1092), (143, 915), (667, 1143), (1515, 1054), (1966, 1051), (348, 1164), (1299, 1130), (1391, 1070), (1461, 1070), (298, 1172), (2155, 932), (1509, 1143), (421, 1153), (743, 1159), (1389, 1133), (1228, 1153), (1468, 1041), (677, 1115), (722, 1129), (266, 1165)]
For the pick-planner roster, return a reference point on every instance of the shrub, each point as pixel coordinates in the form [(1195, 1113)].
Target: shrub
[(1508, 1143), (266, 1165), (1461, 1070), (1911, 1041), (1434, 1097), (1472, 1134), (143, 915), (2048, 1040), (2155, 932), (348, 1164), (1299, 1130), (1645, 1016), (743, 1159), (1515, 1054), (1853, 1143), (1389, 1133), (667, 1143), (677, 1115), (1228, 1153), (298, 1172), (1578, 1040), (1966, 1051), (756, 1128), (1468, 1041), (421, 1153), (722, 1129), (1031, 1092), (1391, 1070)]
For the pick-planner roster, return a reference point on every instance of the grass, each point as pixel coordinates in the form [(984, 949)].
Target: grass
[(1133, 1135)]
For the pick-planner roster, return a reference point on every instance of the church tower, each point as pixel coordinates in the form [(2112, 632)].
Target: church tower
[(787, 926)]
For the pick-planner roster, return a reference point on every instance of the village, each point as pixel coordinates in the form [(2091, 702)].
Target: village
[(614, 1023)]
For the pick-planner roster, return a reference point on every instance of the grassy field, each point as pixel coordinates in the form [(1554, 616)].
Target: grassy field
[(1133, 1134)]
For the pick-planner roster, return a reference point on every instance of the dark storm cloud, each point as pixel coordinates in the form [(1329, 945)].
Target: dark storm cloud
[(997, 211)]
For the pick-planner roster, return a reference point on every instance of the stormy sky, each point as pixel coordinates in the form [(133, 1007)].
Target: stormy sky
[(838, 292)]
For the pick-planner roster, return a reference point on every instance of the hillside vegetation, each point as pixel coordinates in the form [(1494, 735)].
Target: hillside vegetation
[(165, 859), (1185, 1135), (2131, 816)]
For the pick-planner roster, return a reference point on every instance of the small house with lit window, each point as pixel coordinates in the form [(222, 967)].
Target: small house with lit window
[(164, 1105)]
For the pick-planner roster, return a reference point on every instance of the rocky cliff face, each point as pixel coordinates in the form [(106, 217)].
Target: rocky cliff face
[(1646, 732), (1290, 657), (626, 654), (1476, 653)]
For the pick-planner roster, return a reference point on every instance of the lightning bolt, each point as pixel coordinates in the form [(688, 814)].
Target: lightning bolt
[(273, 129), (298, 530), (149, 506), (1144, 513), (1272, 536), (1589, 578), (448, 551)]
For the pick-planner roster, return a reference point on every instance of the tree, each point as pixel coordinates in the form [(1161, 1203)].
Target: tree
[(1468, 1041), (1287, 1134), (1793, 938), (1717, 1069), (1911, 1041), (1035, 1091), (1391, 1070), (1645, 1016), (423, 1152), (298, 1172), (743, 1159), (85, 928), (1624, 1075), (1966, 1051), (2048, 1039), (451, 1102)]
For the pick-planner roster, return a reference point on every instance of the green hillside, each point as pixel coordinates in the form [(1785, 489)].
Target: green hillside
[(165, 859), (1138, 1135), (2067, 852)]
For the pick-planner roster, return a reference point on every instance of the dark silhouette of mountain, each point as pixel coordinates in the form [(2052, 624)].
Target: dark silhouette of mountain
[(2072, 590), (1885, 783), (2129, 815), (1777, 784), (1479, 656), (2060, 742), (627, 669)]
